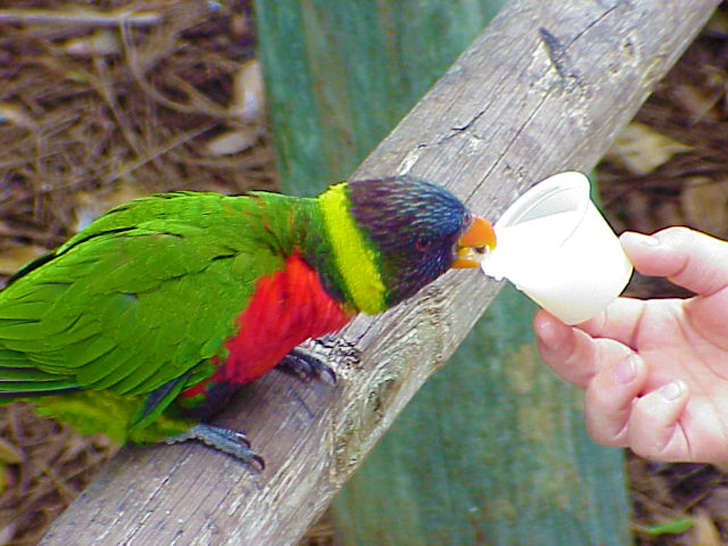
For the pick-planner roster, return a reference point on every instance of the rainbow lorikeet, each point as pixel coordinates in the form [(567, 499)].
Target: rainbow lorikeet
[(142, 324)]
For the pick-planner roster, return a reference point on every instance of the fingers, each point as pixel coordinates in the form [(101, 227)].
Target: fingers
[(608, 401), (563, 349), (571, 353), (618, 413), (620, 321), (688, 258), (617, 416), (654, 428), (691, 259)]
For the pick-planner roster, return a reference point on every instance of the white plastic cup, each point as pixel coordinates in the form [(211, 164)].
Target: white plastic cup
[(556, 247)]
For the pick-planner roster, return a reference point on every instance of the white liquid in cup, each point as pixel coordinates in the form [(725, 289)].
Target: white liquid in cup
[(554, 245)]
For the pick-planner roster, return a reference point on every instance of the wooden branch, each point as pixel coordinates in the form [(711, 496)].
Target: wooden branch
[(546, 88)]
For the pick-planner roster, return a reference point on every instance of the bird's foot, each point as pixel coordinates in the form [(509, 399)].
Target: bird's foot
[(307, 366), (228, 441)]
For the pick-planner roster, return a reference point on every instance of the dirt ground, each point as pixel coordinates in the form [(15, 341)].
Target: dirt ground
[(93, 114)]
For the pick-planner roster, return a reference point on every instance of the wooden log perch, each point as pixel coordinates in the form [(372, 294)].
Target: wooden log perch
[(545, 88)]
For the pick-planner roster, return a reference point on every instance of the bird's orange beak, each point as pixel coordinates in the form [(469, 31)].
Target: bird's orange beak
[(478, 239)]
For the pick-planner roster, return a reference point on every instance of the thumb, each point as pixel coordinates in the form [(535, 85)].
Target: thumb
[(688, 258)]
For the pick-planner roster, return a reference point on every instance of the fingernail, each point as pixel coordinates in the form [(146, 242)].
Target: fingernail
[(640, 238), (672, 391), (548, 334), (625, 371)]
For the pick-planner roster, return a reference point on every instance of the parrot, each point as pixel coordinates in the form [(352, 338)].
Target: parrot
[(144, 323)]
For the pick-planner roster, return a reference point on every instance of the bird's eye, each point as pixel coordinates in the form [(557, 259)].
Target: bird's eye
[(423, 244), (467, 219)]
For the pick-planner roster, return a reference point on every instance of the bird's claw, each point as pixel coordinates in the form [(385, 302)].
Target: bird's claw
[(232, 442), (307, 366)]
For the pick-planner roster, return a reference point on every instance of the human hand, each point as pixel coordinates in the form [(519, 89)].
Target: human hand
[(655, 371)]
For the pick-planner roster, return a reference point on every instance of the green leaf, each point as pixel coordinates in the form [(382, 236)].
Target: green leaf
[(674, 527)]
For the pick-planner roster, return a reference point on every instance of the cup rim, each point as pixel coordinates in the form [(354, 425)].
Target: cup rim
[(531, 199)]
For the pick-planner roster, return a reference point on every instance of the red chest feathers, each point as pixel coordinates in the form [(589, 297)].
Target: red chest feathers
[(287, 308)]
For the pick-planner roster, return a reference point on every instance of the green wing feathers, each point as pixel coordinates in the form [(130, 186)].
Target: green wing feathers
[(19, 376), (145, 295)]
